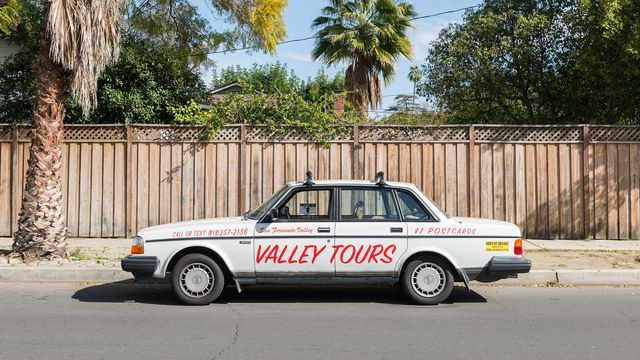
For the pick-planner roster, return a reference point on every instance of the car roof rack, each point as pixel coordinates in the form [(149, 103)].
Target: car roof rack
[(308, 181), (379, 180)]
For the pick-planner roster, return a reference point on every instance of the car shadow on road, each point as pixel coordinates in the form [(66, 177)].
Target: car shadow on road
[(161, 294)]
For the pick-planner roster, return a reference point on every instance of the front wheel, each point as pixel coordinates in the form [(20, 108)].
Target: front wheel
[(196, 279), (427, 280)]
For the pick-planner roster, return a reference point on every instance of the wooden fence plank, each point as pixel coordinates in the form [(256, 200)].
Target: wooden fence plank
[(106, 221), (119, 191), (346, 163), (564, 167), (5, 187), (142, 204), (530, 183), (176, 182), (612, 191), (199, 179), (542, 191), (553, 186), (85, 192), (521, 188), (577, 192), (450, 176), (392, 173), (165, 178), (222, 179), (624, 168), (233, 185), (509, 183), (415, 156), (486, 181), (462, 180), (634, 184), (188, 151), (498, 182), (427, 170), (73, 190), (600, 191), (154, 185), (439, 176), (210, 181)]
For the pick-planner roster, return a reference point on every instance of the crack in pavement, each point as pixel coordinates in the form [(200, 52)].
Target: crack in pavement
[(234, 341)]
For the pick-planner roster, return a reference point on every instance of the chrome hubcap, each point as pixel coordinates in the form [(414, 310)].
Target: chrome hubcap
[(196, 280), (428, 280)]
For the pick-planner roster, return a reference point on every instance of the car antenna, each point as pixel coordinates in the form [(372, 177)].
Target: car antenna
[(308, 181), (380, 179)]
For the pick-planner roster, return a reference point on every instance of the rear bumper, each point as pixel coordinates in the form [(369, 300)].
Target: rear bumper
[(140, 266), (499, 267)]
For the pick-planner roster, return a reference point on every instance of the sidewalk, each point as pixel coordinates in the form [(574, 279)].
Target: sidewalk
[(554, 263)]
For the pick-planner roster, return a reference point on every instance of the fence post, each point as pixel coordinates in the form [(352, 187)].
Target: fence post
[(127, 183), (243, 168), (357, 173), (15, 180), (470, 168), (585, 182)]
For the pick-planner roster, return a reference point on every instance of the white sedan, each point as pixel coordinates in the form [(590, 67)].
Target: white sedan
[(331, 232)]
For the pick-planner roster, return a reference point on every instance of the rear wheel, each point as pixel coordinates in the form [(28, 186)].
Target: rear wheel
[(427, 280), (197, 279)]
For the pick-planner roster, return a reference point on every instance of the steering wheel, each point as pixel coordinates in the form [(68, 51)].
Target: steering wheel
[(358, 205)]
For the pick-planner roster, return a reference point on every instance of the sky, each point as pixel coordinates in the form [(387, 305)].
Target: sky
[(298, 17)]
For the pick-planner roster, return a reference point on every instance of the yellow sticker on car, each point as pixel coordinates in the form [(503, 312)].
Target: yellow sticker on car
[(497, 246)]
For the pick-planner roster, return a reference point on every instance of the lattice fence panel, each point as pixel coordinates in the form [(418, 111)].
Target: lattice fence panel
[(614, 133), (292, 134), (171, 134), (227, 133), (6, 132), (537, 134), (95, 133), (413, 133)]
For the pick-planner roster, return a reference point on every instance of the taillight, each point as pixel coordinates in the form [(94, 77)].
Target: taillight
[(137, 246), (517, 247)]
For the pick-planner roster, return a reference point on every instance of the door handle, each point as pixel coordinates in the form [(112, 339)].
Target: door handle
[(324, 230), (396, 229)]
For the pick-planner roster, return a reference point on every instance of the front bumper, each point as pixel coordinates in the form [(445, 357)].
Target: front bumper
[(140, 266)]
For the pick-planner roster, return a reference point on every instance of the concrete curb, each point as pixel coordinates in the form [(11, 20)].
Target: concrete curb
[(53, 274), (535, 277)]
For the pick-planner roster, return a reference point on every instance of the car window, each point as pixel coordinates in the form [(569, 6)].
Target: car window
[(368, 205), (306, 205), (411, 208), (262, 209)]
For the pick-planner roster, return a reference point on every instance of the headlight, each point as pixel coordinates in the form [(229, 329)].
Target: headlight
[(137, 246)]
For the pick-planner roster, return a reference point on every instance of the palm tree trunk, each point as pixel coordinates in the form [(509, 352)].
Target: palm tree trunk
[(41, 230)]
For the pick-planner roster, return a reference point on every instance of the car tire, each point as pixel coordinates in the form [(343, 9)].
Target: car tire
[(197, 279), (427, 280)]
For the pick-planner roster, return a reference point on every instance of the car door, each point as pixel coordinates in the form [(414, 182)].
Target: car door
[(300, 240), (370, 236)]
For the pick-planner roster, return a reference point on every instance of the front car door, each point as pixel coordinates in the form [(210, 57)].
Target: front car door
[(370, 235), (300, 241)]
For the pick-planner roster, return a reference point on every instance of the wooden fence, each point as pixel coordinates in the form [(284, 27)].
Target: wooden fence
[(553, 181)]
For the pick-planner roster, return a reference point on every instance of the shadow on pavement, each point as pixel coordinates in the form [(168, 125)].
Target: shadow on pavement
[(161, 294)]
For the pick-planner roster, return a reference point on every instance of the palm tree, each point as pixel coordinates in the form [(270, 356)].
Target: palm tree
[(369, 36), (414, 76), (83, 36)]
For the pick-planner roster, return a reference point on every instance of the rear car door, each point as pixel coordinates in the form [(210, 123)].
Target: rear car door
[(299, 242), (370, 235)]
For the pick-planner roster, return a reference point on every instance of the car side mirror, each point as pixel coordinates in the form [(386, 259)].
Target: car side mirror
[(273, 213)]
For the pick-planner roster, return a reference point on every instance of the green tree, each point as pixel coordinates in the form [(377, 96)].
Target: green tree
[(538, 62), (369, 36), (502, 64), (278, 78), (9, 10), (415, 75)]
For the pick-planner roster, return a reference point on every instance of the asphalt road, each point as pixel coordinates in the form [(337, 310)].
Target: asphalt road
[(126, 321)]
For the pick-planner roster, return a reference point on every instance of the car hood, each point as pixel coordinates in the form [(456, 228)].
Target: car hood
[(205, 228), (489, 227)]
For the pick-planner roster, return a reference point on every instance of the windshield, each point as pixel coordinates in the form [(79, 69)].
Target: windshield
[(262, 209)]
